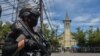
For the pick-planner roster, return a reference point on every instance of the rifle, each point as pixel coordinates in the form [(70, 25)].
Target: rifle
[(32, 35)]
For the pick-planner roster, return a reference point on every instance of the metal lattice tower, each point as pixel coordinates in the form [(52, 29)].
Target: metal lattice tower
[(9, 8)]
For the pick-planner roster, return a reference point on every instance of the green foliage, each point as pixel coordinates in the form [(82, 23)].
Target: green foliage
[(4, 29), (1, 29), (51, 36), (80, 36), (90, 37), (94, 37)]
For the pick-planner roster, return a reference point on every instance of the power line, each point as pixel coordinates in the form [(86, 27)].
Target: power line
[(48, 8), (12, 6), (6, 9), (7, 14), (13, 12), (15, 3), (5, 2), (41, 16), (9, 3), (47, 17)]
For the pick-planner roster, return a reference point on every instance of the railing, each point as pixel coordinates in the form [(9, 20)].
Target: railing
[(87, 49), (1, 44)]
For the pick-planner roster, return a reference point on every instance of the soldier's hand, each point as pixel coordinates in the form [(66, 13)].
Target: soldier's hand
[(21, 44)]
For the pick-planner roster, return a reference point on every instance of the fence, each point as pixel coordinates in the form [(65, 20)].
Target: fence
[(1, 45), (87, 50)]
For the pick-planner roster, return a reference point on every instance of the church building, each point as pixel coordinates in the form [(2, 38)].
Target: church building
[(66, 39)]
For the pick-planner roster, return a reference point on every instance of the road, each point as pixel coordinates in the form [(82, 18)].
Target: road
[(76, 54)]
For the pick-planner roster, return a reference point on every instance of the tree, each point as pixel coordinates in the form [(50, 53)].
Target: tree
[(98, 35), (4, 29), (79, 36), (94, 37), (1, 27), (90, 37), (51, 35)]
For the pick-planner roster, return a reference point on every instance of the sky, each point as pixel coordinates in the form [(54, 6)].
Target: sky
[(83, 13)]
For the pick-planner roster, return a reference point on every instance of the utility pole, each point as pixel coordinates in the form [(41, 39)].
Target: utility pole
[(0, 11), (56, 31), (41, 16)]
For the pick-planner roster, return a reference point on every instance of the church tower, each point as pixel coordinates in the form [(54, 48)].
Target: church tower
[(67, 32)]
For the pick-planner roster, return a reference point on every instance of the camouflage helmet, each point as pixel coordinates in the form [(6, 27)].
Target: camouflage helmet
[(28, 10)]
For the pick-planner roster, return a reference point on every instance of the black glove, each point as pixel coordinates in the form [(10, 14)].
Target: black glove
[(30, 44)]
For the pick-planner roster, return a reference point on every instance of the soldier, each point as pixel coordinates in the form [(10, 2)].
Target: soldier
[(30, 19)]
